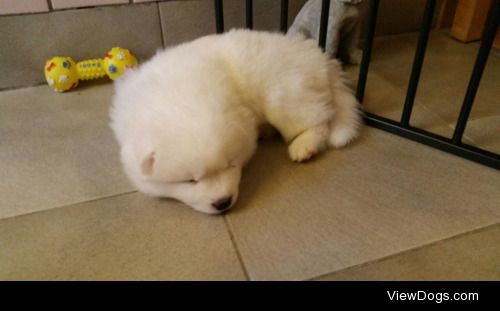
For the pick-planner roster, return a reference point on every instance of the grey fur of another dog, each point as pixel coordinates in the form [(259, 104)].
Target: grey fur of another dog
[(344, 25)]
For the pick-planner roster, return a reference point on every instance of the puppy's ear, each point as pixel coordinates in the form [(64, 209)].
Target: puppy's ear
[(147, 164)]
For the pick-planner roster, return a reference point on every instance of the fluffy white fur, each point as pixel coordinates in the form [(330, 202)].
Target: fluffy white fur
[(187, 120)]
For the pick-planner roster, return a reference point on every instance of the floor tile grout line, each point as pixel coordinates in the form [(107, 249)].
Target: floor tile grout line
[(21, 87), (238, 253), (435, 114), (70, 204), (442, 119), (411, 250)]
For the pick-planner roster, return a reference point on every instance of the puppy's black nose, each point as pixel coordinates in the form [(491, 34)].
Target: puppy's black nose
[(222, 204)]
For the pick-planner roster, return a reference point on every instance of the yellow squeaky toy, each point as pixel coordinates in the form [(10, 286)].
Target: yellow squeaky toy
[(63, 73)]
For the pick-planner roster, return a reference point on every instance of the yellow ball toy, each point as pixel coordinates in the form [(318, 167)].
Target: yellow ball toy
[(63, 73)]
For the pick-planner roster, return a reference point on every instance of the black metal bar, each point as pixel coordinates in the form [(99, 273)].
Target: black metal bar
[(403, 128), (430, 139), (219, 16), (418, 61), (249, 13), (284, 16), (477, 72), (323, 25), (367, 50)]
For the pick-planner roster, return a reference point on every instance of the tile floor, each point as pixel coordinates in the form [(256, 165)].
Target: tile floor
[(383, 208)]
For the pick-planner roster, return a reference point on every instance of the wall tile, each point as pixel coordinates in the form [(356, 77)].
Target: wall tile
[(25, 6), (66, 4), (186, 20), (27, 41)]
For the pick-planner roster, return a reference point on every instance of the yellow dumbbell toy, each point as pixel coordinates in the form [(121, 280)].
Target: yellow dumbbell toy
[(63, 73)]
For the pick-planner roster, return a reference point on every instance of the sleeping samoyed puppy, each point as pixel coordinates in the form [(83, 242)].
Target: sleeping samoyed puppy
[(187, 120)]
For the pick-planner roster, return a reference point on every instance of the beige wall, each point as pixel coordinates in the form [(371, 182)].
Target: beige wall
[(27, 40)]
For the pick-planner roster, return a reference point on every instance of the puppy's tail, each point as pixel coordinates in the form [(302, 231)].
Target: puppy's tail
[(346, 122)]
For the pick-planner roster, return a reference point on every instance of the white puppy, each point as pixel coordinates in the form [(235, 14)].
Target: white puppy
[(187, 120)]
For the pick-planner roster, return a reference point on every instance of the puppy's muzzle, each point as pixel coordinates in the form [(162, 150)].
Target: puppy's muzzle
[(222, 204)]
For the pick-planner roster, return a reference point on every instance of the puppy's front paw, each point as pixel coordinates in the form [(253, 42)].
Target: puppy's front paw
[(304, 147)]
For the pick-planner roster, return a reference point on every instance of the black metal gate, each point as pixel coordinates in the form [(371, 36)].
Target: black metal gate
[(402, 127)]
